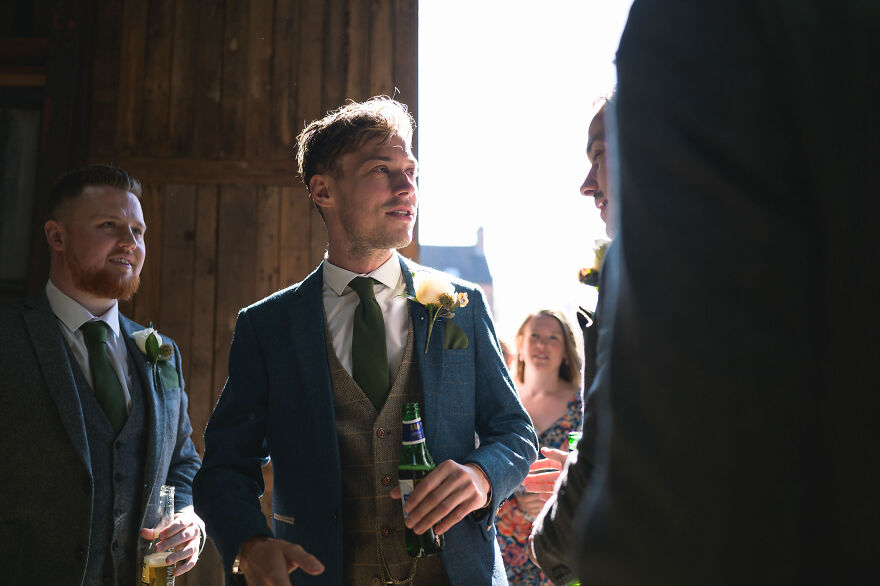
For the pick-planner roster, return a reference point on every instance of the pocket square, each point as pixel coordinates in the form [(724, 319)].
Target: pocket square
[(454, 338)]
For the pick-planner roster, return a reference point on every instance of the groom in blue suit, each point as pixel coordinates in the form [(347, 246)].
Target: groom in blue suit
[(319, 372)]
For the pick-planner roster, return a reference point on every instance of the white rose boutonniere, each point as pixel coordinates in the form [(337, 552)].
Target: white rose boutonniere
[(150, 343), (590, 276), (439, 297)]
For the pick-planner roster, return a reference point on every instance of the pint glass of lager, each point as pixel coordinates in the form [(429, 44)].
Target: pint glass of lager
[(155, 571)]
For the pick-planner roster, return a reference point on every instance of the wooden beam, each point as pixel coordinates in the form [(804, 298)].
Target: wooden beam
[(22, 77), (210, 171)]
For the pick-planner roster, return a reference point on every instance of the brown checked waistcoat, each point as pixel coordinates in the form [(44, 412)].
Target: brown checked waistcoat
[(369, 450)]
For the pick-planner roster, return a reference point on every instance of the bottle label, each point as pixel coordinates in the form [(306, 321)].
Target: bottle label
[(406, 488), (413, 432)]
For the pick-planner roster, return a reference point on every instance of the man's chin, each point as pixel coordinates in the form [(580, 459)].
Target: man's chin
[(106, 285)]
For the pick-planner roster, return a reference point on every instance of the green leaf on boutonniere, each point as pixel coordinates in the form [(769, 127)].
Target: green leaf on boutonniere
[(152, 347)]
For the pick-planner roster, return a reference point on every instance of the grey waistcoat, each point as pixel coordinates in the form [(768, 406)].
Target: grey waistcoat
[(117, 470)]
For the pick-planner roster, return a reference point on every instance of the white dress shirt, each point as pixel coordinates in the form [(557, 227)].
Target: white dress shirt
[(71, 316), (340, 301)]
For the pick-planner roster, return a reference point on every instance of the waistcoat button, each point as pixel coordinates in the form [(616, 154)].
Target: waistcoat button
[(381, 432), (386, 480), (386, 530)]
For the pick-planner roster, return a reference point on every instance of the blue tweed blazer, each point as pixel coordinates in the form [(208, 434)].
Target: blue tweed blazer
[(278, 404)]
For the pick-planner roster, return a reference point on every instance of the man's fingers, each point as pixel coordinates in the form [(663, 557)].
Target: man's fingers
[(297, 557), (545, 464), (449, 521), (186, 553), (268, 561), (189, 565), (541, 482), (560, 456), (428, 484), (453, 495), (180, 537), (148, 533)]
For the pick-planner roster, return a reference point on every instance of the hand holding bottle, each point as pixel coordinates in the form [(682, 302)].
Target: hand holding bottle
[(181, 539), (445, 496)]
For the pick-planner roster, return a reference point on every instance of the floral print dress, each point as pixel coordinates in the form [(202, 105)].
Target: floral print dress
[(514, 525)]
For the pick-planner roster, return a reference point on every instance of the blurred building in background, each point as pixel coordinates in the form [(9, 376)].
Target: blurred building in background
[(465, 262)]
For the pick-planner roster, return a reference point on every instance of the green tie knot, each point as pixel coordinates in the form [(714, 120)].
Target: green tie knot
[(363, 286), (95, 332)]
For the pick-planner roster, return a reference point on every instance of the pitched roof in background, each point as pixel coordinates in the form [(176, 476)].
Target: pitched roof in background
[(464, 262)]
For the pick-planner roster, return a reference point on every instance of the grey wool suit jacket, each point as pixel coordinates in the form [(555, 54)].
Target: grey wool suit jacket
[(47, 491)]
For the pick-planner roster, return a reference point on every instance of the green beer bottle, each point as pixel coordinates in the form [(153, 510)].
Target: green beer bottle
[(415, 464), (574, 437)]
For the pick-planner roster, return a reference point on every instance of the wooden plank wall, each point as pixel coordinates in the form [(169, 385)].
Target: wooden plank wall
[(202, 100)]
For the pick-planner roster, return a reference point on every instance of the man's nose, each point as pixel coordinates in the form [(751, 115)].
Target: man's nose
[(589, 186), (127, 239), (406, 184)]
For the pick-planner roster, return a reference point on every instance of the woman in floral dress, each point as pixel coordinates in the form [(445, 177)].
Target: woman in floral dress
[(548, 379)]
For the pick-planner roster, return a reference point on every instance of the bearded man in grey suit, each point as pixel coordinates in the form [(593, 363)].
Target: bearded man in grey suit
[(92, 428)]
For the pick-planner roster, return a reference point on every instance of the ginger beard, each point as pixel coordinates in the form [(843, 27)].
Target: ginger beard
[(105, 282)]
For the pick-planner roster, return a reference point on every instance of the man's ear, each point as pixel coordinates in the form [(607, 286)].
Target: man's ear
[(319, 187), (55, 235)]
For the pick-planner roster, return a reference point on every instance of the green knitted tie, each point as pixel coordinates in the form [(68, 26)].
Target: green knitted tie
[(369, 357), (108, 390)]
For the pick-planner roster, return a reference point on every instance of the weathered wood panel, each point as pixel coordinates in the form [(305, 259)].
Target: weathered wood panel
[(259, 80), (357, 49), (381, 48), (203, 389), (184, 61), (295, 245), (155, 138), (207, 92), (105, 80), (179, 222), (130, 105), (285, 125), (233, 122)]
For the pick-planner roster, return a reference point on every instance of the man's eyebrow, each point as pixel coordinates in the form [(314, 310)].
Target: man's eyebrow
[(102, 216), (593, 141), (384, 159)]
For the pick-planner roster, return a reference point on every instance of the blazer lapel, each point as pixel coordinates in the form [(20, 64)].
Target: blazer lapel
[(430, 364), (153, 407), (306, 319), (42, 326)]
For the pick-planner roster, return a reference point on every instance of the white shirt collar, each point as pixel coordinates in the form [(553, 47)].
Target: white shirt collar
[(73, 315), (337, 278)]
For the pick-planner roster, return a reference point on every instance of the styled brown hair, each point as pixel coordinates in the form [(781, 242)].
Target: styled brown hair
[(71, 185), (570, 369), (323, 142)]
